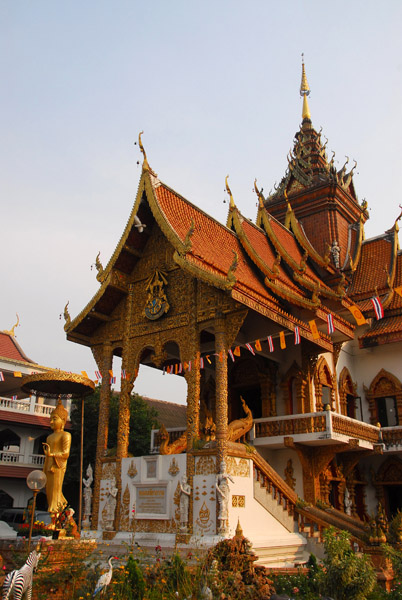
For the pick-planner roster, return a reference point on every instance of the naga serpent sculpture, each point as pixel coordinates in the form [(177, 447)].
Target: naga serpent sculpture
[(236, 429)]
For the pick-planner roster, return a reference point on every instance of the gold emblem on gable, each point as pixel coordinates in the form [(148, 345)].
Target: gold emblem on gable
[(156, 304)]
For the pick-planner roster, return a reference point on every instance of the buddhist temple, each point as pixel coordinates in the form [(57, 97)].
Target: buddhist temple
[(287, 329)]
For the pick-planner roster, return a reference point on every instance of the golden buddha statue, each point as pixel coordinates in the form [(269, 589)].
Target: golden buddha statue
[(57, 450)]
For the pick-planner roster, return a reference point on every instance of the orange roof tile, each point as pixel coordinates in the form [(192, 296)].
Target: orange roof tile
[(376, 257), (10, 348), (212, 243), (264, 250)]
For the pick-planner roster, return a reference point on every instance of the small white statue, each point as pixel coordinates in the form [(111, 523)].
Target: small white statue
[(87, 497), (109, 509), (185, 491), (336, 252), (348, 502), (223, 493)]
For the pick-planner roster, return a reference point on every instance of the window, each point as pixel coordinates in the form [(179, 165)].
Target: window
[(386, 411)]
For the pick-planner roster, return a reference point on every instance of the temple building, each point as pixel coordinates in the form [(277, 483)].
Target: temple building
[(24, 424), (288, 331)]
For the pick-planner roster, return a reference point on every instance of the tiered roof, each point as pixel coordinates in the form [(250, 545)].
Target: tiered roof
[(304, 258)]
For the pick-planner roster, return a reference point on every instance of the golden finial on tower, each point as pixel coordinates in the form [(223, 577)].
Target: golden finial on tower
[(232, 204), (145, 164), (305, 91)]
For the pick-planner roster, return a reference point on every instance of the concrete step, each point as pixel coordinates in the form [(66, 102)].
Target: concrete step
[(281, 553)]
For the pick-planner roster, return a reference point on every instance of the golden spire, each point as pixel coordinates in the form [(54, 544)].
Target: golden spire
[(145, 164), (305, 91), (232, 204)]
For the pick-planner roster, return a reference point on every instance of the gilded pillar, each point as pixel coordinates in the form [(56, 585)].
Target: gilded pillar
[(193, 377), (221, 376), (105, 364), (123, 428)]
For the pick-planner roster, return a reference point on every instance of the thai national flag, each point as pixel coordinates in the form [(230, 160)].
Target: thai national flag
[(378, 308), (231, 354), (270, 343), (13, 397), (112, 380), (249, 347), (201, 363), (98, 375), (1, 376), (180, 368), (330, 323), (123, 374), (297, 335)]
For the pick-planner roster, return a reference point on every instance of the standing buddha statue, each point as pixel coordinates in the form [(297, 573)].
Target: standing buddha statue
[(57, 450)]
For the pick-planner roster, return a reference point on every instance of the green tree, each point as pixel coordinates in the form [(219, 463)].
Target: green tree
[(350, 575)]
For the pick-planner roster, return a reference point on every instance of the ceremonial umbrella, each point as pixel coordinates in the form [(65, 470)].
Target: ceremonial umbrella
[(60, 384)]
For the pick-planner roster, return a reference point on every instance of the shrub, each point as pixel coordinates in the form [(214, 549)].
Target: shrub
[(349, 576)]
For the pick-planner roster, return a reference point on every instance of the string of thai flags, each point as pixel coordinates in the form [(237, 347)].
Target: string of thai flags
[(178, 368)]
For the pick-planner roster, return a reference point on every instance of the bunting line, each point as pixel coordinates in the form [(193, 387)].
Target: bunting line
[(378, 307)]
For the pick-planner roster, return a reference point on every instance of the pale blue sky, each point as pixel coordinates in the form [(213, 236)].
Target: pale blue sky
[(214, 85)]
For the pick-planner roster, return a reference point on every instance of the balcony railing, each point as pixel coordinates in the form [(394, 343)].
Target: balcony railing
[(392, 437), (326, 424), (26, 406), (7, 457)]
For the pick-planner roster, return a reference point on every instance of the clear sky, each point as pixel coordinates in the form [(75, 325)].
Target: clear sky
[(214, 85)]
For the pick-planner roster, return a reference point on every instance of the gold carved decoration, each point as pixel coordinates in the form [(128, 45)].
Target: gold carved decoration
[(99, 268), (176, 447), (66, 314), (240, 468), (156, 304), (155, 526), (239, 501), (173, 468), (203, 515), (239, 427), (109, 471), (132, 470), (125, 511), (205, 465), (12, 330), (187, 239), (289, 479)]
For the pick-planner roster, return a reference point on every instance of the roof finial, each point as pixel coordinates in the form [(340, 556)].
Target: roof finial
[(304, 91), (145, 164), (12, 330), (232, 204)]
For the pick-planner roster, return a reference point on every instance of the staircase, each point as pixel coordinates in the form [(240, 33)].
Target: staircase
[(306, 523)]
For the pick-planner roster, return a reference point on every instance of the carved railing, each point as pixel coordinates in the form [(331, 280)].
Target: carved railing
[(291, 425), (274, 484), (354, 429), (392, 436), (326, 422)]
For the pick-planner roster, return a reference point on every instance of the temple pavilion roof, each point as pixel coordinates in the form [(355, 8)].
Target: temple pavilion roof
[(304, 258)]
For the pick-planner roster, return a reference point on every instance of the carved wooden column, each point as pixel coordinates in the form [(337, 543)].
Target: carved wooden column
[(123, 429), (104, 360), (191, 352), (221, 375)]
